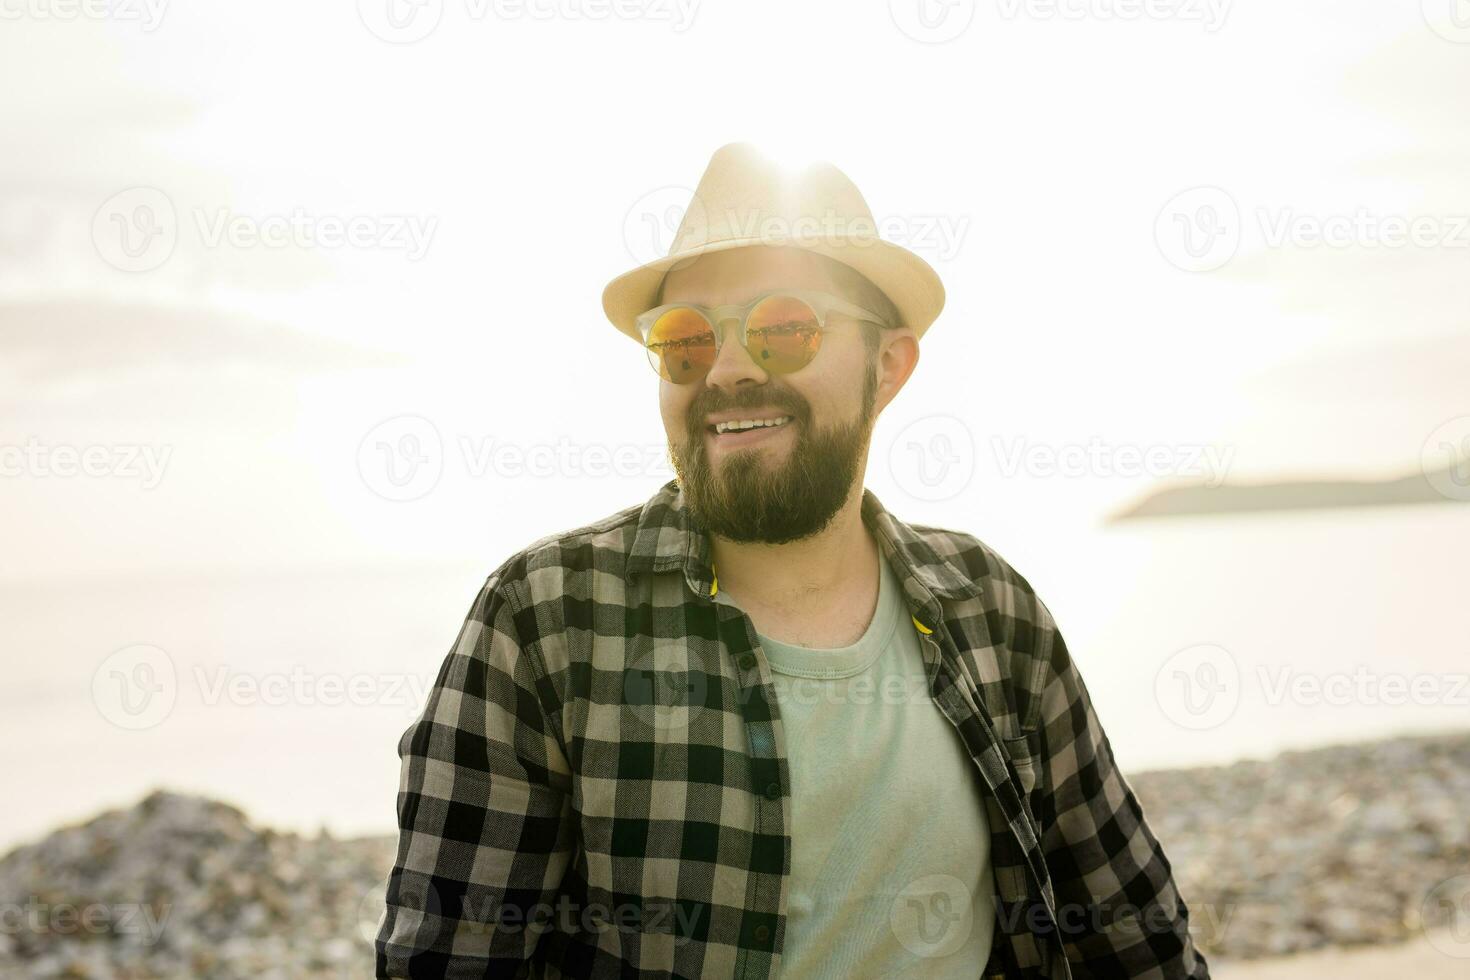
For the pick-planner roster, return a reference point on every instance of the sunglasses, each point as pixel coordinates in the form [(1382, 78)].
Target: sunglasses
[(780, 330)]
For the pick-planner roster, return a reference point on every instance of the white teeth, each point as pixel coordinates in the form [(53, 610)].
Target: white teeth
[(741, 425)]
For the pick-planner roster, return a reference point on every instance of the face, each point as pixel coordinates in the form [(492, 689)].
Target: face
[(784, 482)]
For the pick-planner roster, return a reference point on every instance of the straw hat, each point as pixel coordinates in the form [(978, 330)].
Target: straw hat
[(746, 199)]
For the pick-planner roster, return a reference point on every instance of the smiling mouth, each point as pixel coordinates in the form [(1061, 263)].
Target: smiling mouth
[(738, 426)]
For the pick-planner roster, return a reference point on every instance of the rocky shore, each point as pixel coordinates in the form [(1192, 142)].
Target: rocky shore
[(1345, 846), (180, 886)]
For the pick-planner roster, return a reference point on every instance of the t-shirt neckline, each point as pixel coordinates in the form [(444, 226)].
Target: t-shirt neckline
[(836, 662)]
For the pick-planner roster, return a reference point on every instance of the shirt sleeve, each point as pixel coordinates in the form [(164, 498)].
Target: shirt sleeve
[(483, 810), (1118, 909)]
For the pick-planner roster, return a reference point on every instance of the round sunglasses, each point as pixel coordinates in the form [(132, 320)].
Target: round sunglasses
[(781, 330)]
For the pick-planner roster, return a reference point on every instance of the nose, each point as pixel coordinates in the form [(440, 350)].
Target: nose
[(733, 364)]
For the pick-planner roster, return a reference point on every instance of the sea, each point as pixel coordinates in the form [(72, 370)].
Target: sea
[(1201, 641)]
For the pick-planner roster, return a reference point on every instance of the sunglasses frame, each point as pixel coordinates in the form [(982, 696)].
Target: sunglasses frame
[(822, 304)]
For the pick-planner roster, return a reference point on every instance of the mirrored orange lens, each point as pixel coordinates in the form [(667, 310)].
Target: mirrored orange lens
[(782, 334), (681, 345)]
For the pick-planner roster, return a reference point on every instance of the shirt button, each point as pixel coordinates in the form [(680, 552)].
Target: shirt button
[(762, 933), (773, 791), (747, 661)]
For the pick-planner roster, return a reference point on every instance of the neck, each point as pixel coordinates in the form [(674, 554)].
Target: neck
[(799, 572)]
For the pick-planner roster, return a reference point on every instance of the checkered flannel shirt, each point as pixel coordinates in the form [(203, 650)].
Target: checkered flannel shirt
[(597, 786)]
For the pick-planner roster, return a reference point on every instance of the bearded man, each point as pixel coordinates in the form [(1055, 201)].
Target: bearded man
[(758, 724)]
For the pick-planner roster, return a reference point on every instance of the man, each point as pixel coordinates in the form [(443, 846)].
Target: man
[(757, 724)]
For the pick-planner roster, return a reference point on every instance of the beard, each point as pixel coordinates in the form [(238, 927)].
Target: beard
[(750, 501)]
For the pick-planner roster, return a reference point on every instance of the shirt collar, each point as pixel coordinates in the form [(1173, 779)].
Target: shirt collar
[(668, 538)]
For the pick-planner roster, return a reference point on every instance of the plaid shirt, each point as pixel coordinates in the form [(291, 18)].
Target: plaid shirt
[(598, 787)]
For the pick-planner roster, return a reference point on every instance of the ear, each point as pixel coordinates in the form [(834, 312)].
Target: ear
[(898, 355)]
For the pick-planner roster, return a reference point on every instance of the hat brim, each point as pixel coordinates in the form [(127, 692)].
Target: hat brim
[(907, 280)]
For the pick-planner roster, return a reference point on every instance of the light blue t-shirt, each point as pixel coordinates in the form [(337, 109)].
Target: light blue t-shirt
[(890, 861)]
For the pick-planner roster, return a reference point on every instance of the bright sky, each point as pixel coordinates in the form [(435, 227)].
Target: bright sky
[(507, 164)]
